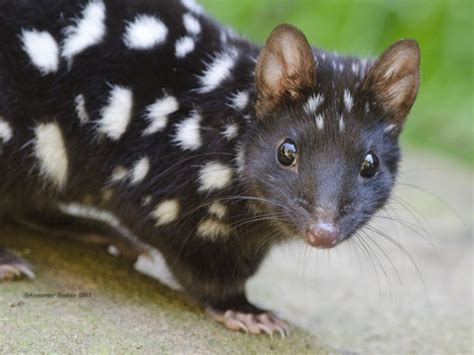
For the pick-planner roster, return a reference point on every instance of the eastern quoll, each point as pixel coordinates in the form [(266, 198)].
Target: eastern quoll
[(184, 146)]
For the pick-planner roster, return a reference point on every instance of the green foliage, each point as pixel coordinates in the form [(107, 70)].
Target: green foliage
[(442, 118)]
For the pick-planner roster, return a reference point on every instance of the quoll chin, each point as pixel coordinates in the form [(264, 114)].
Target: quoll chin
[(148, 127)]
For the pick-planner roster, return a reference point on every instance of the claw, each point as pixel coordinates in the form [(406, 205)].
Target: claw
[(250, 323)]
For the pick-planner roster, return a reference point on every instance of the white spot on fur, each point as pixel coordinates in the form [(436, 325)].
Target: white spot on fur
[(218, 209), (113, 250), (116, 116), (191, 24), (6, 132), (158, 112), (166, 212), (146, 200), (188, 132), (348, 100), (51, 153), (367, 107), (154, 264), (214, 175), (211, 229), (341, 67), (389, 128), (89, 212), (145, 32), (42, 49), (231, 131), (120, 173), (313, 102), (140, 170), (240, 158), (80, 107), (193, 6), (184, 46), (87, 31), (217, 71), (355, 67), (342, 125), (319, 121), (239, 100)]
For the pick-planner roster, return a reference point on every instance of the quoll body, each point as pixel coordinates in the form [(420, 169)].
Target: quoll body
[(188, 146)]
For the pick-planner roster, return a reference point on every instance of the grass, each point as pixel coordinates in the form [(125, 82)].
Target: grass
[(442, 118)]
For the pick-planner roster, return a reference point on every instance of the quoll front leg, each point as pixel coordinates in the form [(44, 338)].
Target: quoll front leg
[(240, 315), (13, 267)]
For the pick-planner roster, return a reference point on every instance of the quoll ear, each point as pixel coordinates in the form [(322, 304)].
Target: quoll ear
[(394, 79), (285, 68)]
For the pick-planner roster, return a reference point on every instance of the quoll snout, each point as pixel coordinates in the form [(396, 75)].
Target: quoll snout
[(323, 235)]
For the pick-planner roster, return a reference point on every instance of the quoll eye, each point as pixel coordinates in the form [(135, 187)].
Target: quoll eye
[(287, 153), (369, 165)]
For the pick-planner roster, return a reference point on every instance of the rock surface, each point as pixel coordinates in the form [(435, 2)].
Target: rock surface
[(346, 299)]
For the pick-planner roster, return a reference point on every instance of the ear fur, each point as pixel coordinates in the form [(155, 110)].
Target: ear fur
[(285, 68), (394, 79)]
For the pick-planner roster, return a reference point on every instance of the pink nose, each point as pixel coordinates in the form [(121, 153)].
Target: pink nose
[(322, 235)]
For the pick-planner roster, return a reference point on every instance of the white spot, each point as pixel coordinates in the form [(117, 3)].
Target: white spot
[(51, 152), (231, 131), (240, 158), (191, 24), (239, 100), (223, 38), (341, 67), (314, 101), (355, 67), (184, 46), (116, 116), (120, 173), (140, 170), (334, 65), (6, 132), (323, 56), (166, 212), (217, 71), (319, 121), (87, 31), (42, 49), (81, 111), (342, 126), (214, 175), (348, 100), (145, 32), (188, 135), (193, 6), (89, 212), (212, 229), (146, 200), (154, 264), (113, 250), (389, 128), (367, 107), (218, 209), (158, 112)]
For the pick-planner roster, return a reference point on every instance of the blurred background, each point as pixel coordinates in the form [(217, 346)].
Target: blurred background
[(442, 118)]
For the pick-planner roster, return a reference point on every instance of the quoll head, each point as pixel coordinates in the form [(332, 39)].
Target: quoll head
[(324, 152)]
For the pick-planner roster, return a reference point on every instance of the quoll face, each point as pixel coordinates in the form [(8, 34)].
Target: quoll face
[(315, 176), (323, 155)]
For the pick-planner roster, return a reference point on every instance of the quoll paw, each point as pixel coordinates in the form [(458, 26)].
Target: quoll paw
[(13, 267), (250, 323)]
